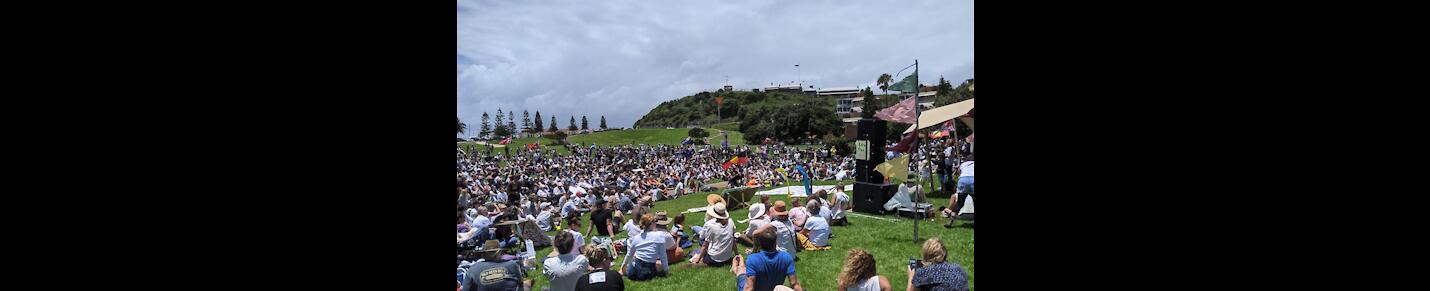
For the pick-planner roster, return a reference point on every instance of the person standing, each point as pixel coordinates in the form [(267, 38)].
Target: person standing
[(965, 183)]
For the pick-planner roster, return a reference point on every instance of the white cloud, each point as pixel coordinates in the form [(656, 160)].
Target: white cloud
[(622, 58)]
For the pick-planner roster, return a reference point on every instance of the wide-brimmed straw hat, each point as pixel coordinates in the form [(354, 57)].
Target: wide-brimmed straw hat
[(717, 211)]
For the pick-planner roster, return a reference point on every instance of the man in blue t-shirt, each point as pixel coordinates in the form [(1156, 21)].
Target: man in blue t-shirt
[(766, 269)]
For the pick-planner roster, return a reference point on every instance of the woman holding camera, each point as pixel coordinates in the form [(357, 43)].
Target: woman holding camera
[(934, 273)]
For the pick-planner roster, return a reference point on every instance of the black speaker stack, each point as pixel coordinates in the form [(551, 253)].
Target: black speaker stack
[(870, 191)]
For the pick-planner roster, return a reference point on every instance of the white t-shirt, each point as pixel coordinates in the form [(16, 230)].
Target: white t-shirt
[(869, 284), (721, 238), (840, 200), (755, 224), (631, 228), (784, 234), (818, 230), (564, 270), (966, 169)]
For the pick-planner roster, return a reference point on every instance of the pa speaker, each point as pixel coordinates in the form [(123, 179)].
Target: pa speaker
[(870, 197), (871, 131)]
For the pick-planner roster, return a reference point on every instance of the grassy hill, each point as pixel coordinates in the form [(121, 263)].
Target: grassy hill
[(700, 108)]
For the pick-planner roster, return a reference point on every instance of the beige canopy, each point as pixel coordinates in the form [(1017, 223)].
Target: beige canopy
[(936, 116)]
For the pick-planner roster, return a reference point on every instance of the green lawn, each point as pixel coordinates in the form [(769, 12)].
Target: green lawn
[(891, 243)]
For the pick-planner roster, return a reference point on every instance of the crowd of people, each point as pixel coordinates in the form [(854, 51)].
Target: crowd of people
[(506, 204)]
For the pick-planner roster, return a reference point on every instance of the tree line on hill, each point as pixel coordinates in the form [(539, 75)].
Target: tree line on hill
[(528, 125)]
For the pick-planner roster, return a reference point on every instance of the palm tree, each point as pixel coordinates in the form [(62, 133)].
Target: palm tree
[(884, 82), (461, 127)]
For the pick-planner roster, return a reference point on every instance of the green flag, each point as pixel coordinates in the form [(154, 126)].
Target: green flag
[(907, 85)]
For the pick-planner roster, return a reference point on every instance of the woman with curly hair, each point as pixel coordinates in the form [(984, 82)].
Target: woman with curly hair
[(859, 273)]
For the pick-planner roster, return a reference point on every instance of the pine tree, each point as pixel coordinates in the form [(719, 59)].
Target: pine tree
[(603, 122), (486, 127), (572, 126), (583, 123), (537, 127), (500, 124), (553, 124), (525, 121)]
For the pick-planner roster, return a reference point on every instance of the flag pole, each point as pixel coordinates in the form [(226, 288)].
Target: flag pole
[(914, 146)]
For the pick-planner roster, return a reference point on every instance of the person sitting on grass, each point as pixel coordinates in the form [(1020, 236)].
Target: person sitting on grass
[(860, 273), (841, 204), (784, 230), (815, 236), (495, 272), (821, 197), (601, 222), (677, 228), (573, 225), (797, 213), (645, 255), (764, 204), (672, 246), (937, 274), (757, 219), (768, 268), (544, 217), (563, 270), (718, 239), (600, 278)]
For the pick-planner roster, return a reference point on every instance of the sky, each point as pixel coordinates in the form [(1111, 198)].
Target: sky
[(622, 58)]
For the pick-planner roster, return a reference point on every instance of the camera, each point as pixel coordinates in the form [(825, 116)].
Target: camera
[(915, 263)]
